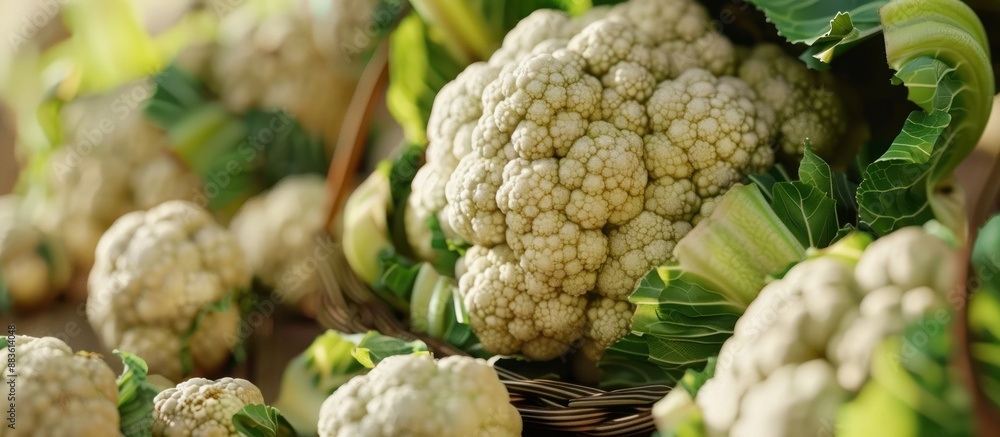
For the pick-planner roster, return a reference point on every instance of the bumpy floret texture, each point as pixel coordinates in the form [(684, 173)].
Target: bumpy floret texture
[(281, 233), (415, 395), (158, 272), (267, 58), (61, 393), (804, 344), (34, 268), (807, 102), (585, 149), (201, 407), (112, 162)]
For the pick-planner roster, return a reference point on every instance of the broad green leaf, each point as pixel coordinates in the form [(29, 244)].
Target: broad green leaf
[(940, 52), (135, 396), (374, 347), (808, 213), (828, 27), (447, 251), (679, 323), (262, 421)]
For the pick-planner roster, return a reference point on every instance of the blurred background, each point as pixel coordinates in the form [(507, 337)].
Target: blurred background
[(112, 106)]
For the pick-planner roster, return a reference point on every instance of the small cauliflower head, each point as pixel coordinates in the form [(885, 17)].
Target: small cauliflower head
[(164, 286), (807, 103), (803, 346), (414, 395), (61, 393), (593, 147), (201, 407), (34, 268), (267, 58), (281, 232), (112, 163)]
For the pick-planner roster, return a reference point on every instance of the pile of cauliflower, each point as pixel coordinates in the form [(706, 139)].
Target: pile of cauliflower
[(576, 158), (804, 346)]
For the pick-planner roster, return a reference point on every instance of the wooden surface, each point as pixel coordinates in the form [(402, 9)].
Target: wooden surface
[(269, 349)]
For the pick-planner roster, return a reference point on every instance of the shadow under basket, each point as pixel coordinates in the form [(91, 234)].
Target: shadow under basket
[(546, 406)]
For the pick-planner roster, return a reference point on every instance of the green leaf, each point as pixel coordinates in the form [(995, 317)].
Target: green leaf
[(694, 379), (626, 364), (808, 213), (940, 52), (828, 27), (424, 287), (396, 275), (286, 147), (135, 396), (679, 323), (373, 347), (984, 308), (261, 421), (447, 251), (221, 305)]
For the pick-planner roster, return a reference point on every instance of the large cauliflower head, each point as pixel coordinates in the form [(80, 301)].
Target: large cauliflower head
[(415, 395), (281, 233), (113, 162), (581, 153), (807, 339), (34, 268), (164, 287), (61, 393), (201, 407)]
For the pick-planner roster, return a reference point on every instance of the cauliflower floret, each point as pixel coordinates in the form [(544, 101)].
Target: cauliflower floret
[(417, 396), (112, 163), (804, 345), (807, 102), (280, 232), (797, 399), (508, 317), (34, 268), (201, 407), (61, 393), (343, 30), (592, 156), (155, 272)]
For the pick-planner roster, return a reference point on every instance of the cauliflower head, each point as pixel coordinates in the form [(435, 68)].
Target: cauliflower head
[(804, 346), (280, 232), (807, 102), (202, 407), (267, 58), (34, 268), (164, 286), (417, 396), (581, 153), (113, 162), (62, 393)]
